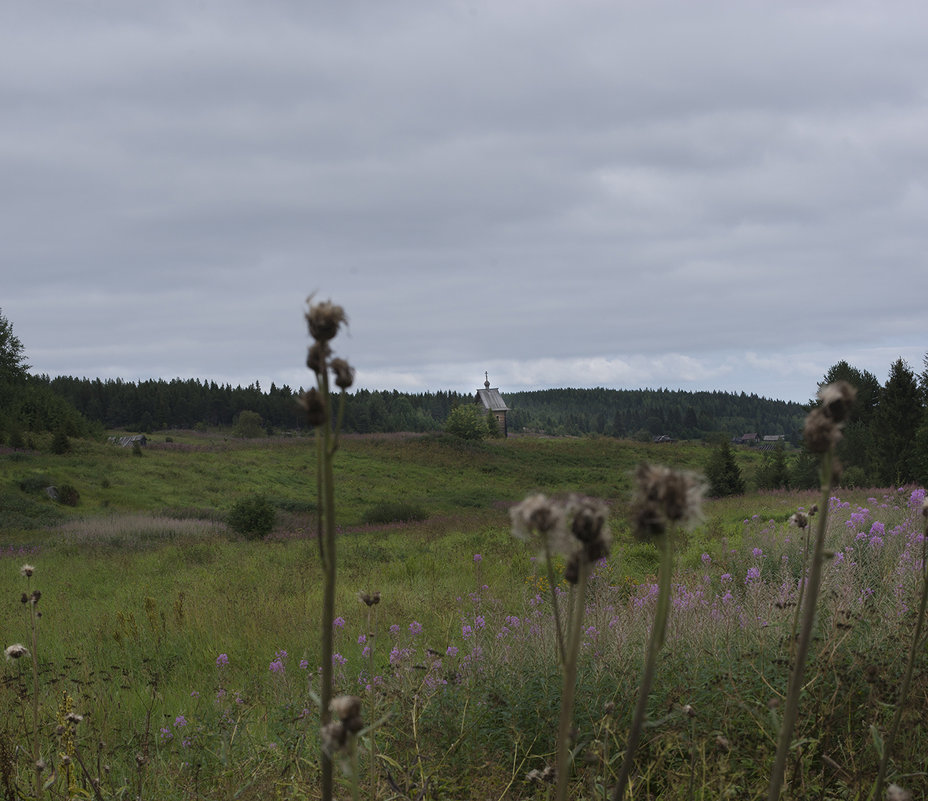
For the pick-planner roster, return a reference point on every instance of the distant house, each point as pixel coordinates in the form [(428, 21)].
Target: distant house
[(746, 439), (774, 437), (129, 441), (491, 401), (662, 439)]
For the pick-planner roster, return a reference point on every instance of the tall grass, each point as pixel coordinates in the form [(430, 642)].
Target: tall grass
[(134, 635)]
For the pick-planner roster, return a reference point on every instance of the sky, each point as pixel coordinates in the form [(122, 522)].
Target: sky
[(704, 196)]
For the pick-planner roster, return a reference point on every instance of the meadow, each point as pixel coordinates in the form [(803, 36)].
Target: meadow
[(192, 654)]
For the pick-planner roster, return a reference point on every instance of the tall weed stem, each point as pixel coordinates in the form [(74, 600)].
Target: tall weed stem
[(562, 763), (324, 320), (791, 705), (655, 643), (890, 738)]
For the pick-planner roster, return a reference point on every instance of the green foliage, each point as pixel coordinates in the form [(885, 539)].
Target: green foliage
[(394, 512), (723, 473), (805, 472), (253, 517), (467, 422), (773, 472), (60, 443), (896, 422), (249, 425), (68, 495), (13, 367), (16, 441), (36, 483)]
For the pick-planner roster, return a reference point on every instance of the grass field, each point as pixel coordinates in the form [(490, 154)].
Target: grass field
[(192, 653)]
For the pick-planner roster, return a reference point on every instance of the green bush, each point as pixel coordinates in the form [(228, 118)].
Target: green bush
[(467, 422), (60, 443), (36, 483), (394, 512), (252, 517), (68, 495)]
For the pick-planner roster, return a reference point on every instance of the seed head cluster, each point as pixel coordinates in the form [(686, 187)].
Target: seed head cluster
[(665, 496), (347, 708), (369, 598), (823, 425), (15, 651), (324, 320), (576, 527)]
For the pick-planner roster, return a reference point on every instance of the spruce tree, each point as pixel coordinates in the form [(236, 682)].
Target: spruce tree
[(896, 423), (723, 474)]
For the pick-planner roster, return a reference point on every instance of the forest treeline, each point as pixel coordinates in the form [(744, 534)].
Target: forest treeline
[(885, 442), (148, 406)]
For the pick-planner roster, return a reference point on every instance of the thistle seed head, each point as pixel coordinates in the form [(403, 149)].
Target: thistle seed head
[(334, 737), (665, 496), (837, 400), (545, 776), (324, 319), (588, 518), (539, 517), (16, 650), (344, 373), (316, 357), (345, 706), (369, 599), (27, 570), (799, 520), (312, 404), (821, 433), (895, 793)]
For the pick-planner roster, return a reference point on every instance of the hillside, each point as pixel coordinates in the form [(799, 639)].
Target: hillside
[(156, 405)]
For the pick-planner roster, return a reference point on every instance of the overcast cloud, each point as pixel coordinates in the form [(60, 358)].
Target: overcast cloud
[(712, 195)]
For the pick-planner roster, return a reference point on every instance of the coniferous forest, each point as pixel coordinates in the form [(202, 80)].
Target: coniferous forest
[(644, 413), (885, 442)]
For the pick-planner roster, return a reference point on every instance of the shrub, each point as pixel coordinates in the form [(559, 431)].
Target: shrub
[(68, 495), (60, 443), (35, 483), (249, 425), (467, 422), (252, 517), (394, 512)]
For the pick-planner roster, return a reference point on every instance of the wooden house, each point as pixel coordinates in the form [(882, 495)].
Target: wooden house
[(491, 401)]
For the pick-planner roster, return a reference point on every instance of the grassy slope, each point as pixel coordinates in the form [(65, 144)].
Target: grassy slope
[(445, 477), (133, 592)]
